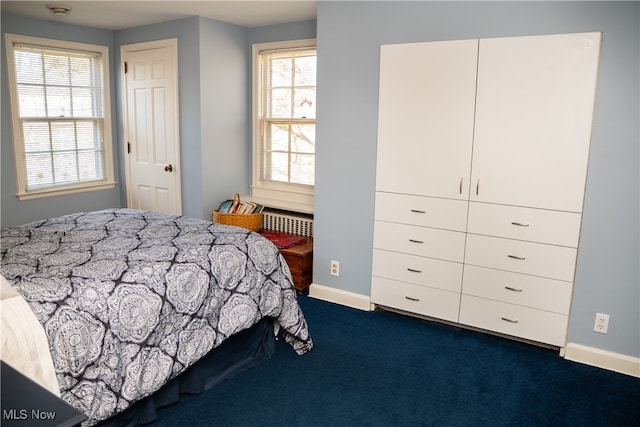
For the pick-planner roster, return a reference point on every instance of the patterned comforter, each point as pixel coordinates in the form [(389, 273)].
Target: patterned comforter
[(129, 299)]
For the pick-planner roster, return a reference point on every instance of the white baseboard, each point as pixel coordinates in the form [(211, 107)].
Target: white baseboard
[(338, 296), (603, 359)]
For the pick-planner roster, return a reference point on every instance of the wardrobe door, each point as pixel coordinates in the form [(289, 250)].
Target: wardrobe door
[(535, 101), (425, 121)]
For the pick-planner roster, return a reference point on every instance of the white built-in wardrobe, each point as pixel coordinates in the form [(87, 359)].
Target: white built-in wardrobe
[(482, 157)]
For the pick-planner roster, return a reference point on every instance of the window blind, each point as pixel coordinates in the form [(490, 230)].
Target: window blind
[(287, 115), (61, 114)]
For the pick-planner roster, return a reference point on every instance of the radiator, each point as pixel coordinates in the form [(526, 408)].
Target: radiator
[(286, 222)]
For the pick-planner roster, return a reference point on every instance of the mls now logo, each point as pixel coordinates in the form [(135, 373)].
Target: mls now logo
[(23, 414)]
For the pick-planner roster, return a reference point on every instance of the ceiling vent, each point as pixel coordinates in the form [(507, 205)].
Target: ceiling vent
[(59, 9)]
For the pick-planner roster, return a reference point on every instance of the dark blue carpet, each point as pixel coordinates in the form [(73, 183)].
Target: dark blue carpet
[(384, 369)]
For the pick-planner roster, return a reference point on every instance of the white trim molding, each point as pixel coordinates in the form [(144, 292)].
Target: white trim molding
[(338, 296), (603, 359)]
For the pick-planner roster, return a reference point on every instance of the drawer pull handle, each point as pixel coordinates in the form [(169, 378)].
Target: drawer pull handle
[(414, 270), (416, 241), (511, 288), (413, 299), (521, 258), (418, 211), (520, 224), (506, 319)]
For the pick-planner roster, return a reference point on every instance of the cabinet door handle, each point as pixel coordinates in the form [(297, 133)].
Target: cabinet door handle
[(418, 211), (506, 319), (477, 187), (518, 257), (461, 179), (414, 270), (520, 224), (416, 241), (412, 299), (511, 288)]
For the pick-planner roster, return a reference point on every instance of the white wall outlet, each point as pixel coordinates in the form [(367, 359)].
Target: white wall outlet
[(602, 323), (335, 268)]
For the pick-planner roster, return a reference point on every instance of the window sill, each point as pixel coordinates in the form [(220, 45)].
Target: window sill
[(40, 194)]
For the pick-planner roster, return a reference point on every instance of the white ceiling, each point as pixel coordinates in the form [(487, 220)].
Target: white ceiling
[(118, 15)]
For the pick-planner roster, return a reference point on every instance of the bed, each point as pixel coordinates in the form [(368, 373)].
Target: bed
[(135, 304)]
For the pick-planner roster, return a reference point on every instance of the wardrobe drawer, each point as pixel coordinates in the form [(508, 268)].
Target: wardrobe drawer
[(515, 320), (521, 289), (423, 211), (533, 225), (555, 262), (422, 241), (415, 299), (422, 271)]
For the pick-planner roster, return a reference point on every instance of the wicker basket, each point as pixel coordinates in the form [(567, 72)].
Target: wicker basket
[(251, 222)]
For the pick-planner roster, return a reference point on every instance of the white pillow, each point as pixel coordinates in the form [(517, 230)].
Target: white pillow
[(7, 291), (23, 342)]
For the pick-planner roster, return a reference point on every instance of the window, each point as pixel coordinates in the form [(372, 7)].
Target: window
[(60, 111), (285, 122)]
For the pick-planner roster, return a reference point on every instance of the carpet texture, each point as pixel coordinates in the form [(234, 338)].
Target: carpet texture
[(384, 369)]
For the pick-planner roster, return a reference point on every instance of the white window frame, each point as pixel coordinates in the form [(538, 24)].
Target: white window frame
[(108, 180), (293, 197)]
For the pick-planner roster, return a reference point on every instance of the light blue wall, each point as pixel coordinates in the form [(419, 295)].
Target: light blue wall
[(290, 31), (225, 67), (14, 211), (349, 39)]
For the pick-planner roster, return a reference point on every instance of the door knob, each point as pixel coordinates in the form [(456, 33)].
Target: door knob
[(168, 168)]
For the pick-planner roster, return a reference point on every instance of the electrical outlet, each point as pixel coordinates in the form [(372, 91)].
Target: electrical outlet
[(602, 323), (335, 268)]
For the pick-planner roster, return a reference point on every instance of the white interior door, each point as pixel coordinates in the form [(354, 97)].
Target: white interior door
[(151, 127)]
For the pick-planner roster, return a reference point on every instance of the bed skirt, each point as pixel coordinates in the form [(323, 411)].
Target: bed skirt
[(238, 353)]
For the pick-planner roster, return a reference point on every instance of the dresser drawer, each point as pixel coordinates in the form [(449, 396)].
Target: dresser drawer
[(423, 211), (515, 320), (521, 289), (415, 299), (555, 262), (422, 271), (533, 225), (422, 241)]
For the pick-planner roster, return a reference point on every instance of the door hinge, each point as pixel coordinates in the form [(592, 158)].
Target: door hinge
[(126, 67), (128, 147)]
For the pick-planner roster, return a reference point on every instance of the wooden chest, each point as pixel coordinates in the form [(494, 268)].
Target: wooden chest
[(300, 261)]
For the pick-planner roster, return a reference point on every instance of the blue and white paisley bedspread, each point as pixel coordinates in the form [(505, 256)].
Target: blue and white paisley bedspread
[(129, 299)]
